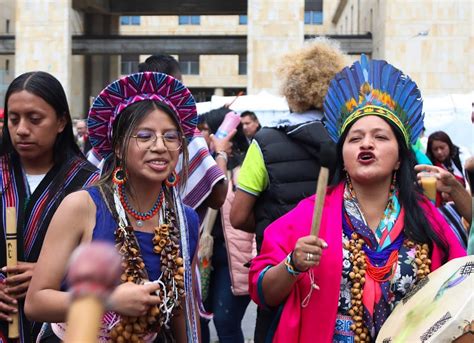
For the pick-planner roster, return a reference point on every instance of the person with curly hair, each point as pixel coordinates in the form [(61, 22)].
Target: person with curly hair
[(282, 163)]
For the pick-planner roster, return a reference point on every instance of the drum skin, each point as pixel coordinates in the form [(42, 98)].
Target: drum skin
[(437, 309)]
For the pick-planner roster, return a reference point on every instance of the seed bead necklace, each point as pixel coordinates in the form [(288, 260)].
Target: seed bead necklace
[(140, 217)]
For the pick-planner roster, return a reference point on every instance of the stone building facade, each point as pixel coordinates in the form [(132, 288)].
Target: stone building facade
[(429, 39)]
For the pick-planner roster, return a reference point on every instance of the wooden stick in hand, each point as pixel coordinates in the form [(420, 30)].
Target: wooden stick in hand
[(319, 204), (327, 161), (13, 326)]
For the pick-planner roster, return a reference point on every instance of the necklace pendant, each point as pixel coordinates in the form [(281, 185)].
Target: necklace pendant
[(140, 223)]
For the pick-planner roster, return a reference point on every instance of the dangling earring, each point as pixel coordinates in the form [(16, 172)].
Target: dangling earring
[(349, 185), (118, 176), (172, 180), (394, 181)]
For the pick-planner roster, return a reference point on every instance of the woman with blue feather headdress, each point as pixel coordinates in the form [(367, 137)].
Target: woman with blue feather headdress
[(379, 234)]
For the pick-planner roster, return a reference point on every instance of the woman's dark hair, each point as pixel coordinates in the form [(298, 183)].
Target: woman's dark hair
[(240, 144), (65, 149), (123, 129), (48, 88), (417, 226), (453, 150)]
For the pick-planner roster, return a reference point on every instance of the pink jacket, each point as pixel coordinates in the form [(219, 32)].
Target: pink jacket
[(241, 248), (316, 322)]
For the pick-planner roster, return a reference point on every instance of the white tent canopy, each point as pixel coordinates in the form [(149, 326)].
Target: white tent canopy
[(264, 105), (449, 113)]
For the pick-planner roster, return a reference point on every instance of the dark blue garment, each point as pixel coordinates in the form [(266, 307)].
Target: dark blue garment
[(228, 308), (105, 227)]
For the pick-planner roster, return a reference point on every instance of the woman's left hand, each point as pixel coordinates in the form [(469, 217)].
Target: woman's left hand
[(17, 285)]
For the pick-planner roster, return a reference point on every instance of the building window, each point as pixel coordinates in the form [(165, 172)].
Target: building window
[(7, 26), (7, 66), (189, 20), (234, 91), (189, 64), (202, 94), (130, 20), (242, 64), (313, 17), (243, 19), (313, 12), (129, 64)]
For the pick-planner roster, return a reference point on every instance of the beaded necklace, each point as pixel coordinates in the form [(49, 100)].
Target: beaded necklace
[(165, 243), (361, 266), (358, 259), (140, 217)]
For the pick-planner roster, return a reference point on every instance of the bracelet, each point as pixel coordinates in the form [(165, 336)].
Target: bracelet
[(290, 266), (222, 154)]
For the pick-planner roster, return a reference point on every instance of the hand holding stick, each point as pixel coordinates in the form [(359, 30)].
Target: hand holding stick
[(327, 161)]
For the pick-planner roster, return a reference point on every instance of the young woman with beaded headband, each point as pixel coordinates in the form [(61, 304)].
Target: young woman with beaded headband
[(139, 124), (379, 234)]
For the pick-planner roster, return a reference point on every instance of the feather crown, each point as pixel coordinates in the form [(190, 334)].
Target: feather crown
[(373, 88)]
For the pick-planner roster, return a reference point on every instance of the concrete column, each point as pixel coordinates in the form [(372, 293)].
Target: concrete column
[(43, 38), (275, 27), (100, 70), (219, 91)]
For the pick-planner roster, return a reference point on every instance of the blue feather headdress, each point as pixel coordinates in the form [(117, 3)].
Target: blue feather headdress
[(373, 88)]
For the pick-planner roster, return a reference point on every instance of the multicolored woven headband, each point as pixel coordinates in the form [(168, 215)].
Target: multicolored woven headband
[(373, 88), (133, 88)]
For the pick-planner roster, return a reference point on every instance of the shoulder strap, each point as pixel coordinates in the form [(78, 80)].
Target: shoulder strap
[(107, 195)]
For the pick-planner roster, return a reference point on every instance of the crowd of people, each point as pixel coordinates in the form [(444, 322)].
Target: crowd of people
[(206, 223)]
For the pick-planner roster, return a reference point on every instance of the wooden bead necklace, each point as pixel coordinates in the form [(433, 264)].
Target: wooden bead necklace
[(166, 243), (358, 259)]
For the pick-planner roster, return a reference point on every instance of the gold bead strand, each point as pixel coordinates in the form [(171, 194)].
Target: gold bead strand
[(357, 276)]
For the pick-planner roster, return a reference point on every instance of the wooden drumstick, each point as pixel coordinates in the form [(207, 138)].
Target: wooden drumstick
[(327, 160), (94, 272), (13, 328)]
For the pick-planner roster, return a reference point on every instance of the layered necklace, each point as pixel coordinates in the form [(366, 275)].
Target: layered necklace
[(166, 243), (362, 267)]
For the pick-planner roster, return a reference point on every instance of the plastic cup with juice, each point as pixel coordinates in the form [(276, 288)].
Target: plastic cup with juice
[(428, 182)]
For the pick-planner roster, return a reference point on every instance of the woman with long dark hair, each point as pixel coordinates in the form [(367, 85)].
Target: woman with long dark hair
[(40, 164), (443, 153), (139, 125), (379, 234)]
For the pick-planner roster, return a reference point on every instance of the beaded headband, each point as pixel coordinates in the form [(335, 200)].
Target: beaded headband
[(131, 89)]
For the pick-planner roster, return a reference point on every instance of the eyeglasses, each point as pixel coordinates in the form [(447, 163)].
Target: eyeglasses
[(146, 139)]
